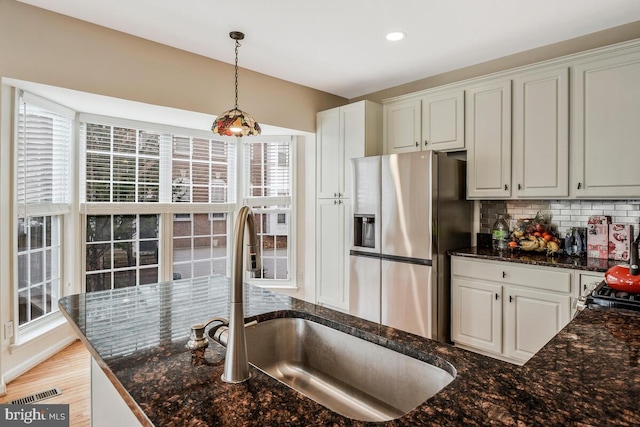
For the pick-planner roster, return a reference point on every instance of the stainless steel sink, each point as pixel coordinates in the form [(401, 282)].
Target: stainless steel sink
[(351, 376)]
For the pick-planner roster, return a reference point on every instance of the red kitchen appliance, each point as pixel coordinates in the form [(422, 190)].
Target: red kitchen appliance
[(626, 278)]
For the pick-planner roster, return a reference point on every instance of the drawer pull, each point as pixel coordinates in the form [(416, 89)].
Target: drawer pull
[(496, 296), (504, 274), (510, 298)]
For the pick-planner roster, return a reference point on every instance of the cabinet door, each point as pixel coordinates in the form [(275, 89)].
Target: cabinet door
[(331, 254), (476, 314), (402, 126), (329, 154), (488, 138), (541, 134), (443, 121), (532, 318), (352, 132), (605, 127)]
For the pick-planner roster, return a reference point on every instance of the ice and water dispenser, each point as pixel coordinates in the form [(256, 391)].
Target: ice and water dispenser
[(364, 231)]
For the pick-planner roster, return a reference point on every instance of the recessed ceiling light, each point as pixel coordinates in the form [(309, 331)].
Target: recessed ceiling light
[(396, 36)]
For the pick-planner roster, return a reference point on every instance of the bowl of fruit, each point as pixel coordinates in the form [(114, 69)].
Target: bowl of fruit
[(534, 234)]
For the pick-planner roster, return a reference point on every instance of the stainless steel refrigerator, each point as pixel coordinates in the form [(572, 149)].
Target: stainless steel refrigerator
[(408, 210)]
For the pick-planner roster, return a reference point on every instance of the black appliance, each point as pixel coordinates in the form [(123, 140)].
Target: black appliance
[(604, 296)]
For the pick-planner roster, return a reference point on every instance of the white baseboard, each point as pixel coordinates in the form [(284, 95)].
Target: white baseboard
[(33, 361)]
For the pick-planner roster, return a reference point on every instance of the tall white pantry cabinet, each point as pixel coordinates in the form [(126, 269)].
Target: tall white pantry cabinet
[(342, 133)]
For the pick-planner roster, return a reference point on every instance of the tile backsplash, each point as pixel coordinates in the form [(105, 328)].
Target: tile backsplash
[(562, 214)]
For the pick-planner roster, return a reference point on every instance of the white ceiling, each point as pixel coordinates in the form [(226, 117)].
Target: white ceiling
[(338, 46)]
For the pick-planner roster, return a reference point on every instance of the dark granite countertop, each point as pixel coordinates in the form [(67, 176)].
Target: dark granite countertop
[(538, 258), (587, 375)]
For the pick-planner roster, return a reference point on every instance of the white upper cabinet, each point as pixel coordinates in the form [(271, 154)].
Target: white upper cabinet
[(402, 126), (488, 135), (434, 121), (342, 134), (541, 134), (605, 141), (443, 121), (328, 152)]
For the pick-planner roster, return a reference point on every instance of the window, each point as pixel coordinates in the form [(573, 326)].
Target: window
[(268, 189), (43, 138), (122, 164), (142, 178), (121, 251), (200, 246)]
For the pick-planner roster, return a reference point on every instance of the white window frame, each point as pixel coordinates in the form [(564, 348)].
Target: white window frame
[(164, 207), (167, 209), (26, 332), (243, 185)]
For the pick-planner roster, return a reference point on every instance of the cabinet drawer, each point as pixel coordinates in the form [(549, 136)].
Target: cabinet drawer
[(552, 279), (588, 281)]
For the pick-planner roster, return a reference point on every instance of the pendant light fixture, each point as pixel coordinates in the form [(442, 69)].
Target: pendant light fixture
[(236, 122)]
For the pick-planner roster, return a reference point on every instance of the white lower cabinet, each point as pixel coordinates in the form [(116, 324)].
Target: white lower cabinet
[(532, 319), (477, 317), (108, 408), (508, 311), (333, 231)]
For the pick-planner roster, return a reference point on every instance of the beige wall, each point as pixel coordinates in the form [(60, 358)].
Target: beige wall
[(44, 47), (591, 41)]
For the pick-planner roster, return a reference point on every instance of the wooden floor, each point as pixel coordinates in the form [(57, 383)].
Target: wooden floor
[(69, 370)]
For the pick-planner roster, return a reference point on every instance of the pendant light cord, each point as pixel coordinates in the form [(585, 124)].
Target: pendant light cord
[(237, 46)]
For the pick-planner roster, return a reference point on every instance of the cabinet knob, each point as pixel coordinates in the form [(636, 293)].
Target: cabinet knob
[(519, 187), (425, 142), (504, 274), (579, 185), (335, 194), (506, 187), (417, 145), (510, 298), (496, 296), (335, 202)]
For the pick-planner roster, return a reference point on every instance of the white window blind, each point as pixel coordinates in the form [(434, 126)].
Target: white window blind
[(268, 170), (43, 140), (44, 143), (122, 164)]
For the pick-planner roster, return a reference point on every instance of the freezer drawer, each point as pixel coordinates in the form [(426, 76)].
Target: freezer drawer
[(364, 289), (407, 297)]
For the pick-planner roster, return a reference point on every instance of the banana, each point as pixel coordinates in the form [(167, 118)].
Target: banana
[(542, 243), (529, 245)]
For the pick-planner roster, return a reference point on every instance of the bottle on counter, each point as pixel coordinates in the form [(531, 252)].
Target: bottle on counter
[(500, 234)]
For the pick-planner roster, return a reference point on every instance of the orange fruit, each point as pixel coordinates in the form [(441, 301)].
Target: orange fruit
[(537, 234), (513, 244), (547, 236)]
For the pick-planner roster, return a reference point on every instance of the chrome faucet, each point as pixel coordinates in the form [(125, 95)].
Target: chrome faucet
[(236, 364)]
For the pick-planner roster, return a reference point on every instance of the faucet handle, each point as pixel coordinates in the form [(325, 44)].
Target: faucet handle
[(197, 339)]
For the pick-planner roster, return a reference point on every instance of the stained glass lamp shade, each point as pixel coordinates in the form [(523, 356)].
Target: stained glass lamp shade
[(236, 122)]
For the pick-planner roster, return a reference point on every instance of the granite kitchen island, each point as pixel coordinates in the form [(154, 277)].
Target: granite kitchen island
[(587, 375)]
